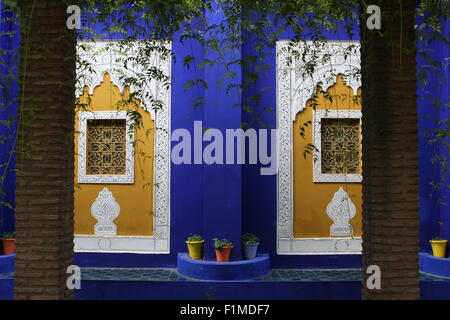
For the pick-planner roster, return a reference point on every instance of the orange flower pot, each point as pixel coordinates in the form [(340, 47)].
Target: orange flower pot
[(9, 246), (224, 254)]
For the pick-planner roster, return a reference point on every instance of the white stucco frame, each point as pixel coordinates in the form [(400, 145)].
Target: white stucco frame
[(103, 58), (294, 88), (318, 176)]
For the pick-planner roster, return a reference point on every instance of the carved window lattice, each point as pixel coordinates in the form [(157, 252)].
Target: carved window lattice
[(340, 147), (106, 152)]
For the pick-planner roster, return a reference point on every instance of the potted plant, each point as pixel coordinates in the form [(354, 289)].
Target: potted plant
[(250, 243), (223, 249), (195, 246), (8, 242), (439, 245)]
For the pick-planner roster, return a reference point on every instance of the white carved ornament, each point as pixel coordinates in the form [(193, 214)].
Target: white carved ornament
[(105, 209), (294, 88), (341, 210), (328, 58)]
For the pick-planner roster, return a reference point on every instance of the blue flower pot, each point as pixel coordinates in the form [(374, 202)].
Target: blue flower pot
[(250, 250)]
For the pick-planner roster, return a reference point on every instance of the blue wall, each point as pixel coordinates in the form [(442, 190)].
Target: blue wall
[(434, 202), (9, 45)]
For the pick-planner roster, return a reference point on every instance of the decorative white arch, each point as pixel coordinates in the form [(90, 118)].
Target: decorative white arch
[(107, 57), (295, 86)]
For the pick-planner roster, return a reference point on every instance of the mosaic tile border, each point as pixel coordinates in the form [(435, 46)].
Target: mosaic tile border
[(275, 275)]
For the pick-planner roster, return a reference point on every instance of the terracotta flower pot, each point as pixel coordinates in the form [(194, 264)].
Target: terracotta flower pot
[(9, 246), (223, 255)]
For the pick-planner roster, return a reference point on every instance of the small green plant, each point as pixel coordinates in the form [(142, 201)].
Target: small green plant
[(194, 237), (249, 238), (8, 235), (219, 244)]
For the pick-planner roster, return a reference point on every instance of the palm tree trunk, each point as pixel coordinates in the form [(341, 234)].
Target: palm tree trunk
[(44, 187), (390, 152)]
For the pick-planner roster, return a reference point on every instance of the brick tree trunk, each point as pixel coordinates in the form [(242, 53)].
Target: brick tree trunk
[(44, 191), (390, 152)]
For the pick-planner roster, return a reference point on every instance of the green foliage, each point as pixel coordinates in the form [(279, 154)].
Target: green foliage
[(434, 15), (219, 244), (249, 238), (194, 237), (8, 235)]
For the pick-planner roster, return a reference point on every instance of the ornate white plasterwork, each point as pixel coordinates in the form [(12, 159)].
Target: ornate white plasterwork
[(341, 210), (83, 177), (318, 176), (294, 88), (107, 57), (329, 58), (105, 209)]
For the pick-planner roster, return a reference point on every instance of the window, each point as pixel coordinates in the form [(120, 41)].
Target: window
[(106, 147), (340, 146), (337, 138)]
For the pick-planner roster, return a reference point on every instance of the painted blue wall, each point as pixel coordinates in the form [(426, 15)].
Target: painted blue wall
[(434, 202), (9, 45)]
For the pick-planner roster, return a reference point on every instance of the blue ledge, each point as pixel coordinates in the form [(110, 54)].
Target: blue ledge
[(433, 265), (6, 279), (233, 270), (7, 263)]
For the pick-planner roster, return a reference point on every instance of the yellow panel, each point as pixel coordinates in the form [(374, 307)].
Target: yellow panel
[(135, 200), (311, 199)]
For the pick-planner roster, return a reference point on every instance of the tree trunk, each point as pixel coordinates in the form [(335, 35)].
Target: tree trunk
[(390, 152), (44, 192)]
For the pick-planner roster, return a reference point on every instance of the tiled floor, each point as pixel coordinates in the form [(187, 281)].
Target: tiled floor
[(132, 274)]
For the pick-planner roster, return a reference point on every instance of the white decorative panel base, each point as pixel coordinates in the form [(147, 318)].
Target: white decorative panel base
[(320, 246), (120, 244)]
